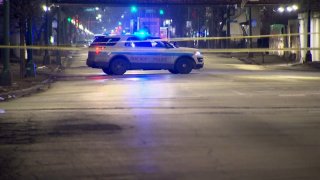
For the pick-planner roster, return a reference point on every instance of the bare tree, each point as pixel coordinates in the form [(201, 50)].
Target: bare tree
[(219, 21), (24, 10)]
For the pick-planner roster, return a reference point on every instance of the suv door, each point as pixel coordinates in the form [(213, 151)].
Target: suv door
[(149, 54), (165, 57), (140, 53)]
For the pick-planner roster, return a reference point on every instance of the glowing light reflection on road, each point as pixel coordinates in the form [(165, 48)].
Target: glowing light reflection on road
[(282, 77), (140, 91)]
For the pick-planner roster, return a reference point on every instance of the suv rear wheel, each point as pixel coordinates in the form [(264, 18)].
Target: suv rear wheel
[(118, 66), (107, 71), (184, 65)]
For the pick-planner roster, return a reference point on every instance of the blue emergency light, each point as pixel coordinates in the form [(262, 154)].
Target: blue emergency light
[(141, 34)]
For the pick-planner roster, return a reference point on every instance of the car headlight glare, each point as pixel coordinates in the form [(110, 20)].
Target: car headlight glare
[(197, 53)]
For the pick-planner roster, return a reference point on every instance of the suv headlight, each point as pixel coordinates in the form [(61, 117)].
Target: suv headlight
[(197, 53)]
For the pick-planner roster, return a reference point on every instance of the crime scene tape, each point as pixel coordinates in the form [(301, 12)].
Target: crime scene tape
[(231, 37), (121, 49), (211, 50), (240, 37), (256, 50)]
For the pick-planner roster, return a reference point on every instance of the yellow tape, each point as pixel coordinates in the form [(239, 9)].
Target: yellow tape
[(45, 48), (237, 37), (121, 49), (70, 48), (255, 50)]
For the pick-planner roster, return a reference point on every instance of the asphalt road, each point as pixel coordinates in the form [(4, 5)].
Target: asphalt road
[(229, 121)]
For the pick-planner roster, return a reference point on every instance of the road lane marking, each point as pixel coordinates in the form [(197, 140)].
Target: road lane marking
[(238, 93), (292, 95)]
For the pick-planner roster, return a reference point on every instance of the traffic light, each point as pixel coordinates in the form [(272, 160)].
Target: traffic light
[(69, 19), (134, 9), (161, 12)]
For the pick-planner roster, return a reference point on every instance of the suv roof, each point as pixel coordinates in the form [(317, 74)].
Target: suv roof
[(110, 40), (124, 36)]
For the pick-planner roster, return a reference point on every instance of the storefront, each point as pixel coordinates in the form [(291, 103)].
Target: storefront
[(315, 36)]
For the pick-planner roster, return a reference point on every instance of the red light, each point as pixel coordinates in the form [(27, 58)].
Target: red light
[(99, 49)]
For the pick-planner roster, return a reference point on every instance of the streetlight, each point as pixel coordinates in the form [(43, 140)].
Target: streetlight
[(48, 21), (46, 8), (289, 9), (46, 57), (281, 9)]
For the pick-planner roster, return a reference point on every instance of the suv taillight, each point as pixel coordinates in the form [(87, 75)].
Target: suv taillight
[(99, 49)]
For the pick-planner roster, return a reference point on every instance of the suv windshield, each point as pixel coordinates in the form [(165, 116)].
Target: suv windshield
[(167, 44)]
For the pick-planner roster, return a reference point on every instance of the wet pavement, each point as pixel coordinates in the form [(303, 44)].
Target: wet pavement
[(228, 121)]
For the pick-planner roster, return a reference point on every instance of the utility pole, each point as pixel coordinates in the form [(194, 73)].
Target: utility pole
[(58, 58), (250, 54), (31, 67), (65, 28), (6, 76), (46, 58), (308, 54), (228, 26)]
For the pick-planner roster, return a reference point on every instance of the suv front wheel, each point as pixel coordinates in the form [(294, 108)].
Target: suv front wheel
[(173, 71), (184, 65)]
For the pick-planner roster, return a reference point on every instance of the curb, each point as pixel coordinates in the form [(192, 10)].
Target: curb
[(294, 67), (42, 86), (248, 61)]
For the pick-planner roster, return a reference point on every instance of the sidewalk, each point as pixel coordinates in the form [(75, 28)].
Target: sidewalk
[(274, 61), (26, 86)]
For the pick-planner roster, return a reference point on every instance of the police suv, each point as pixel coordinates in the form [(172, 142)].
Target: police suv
[(117, 54)]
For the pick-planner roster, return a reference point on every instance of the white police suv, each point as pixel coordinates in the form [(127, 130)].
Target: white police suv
[(117, 54)]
